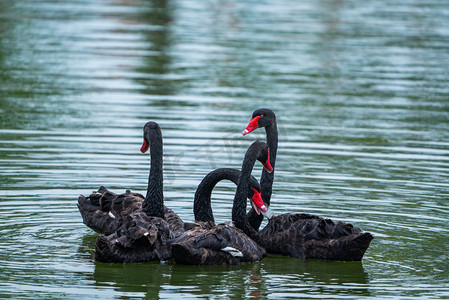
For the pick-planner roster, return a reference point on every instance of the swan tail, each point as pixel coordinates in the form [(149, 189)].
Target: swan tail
[(102, 198), (95, 218), (348, 248), (103, 211)]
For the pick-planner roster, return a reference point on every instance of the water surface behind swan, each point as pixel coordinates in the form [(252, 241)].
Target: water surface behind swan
[(360, 90)]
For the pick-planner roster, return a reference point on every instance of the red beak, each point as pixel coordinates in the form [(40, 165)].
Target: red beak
[(267, 166), (144, 147), (253, 124), (257, 202)]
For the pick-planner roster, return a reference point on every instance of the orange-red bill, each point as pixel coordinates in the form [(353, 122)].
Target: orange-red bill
[(253, 124), (257, 203), (144, 147)]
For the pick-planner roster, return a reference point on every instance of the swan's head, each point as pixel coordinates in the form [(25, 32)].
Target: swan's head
[(258, 204), (262, 117), (149, 130), (263, 155)]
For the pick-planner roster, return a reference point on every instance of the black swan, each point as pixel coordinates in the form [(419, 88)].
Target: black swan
[(211, 244), (136, 228), (103, 211), (142, 237), (264, 118), (301, 235)]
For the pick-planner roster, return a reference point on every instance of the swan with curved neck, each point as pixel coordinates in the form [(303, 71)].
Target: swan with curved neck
[(137, 228), (267, 119), (257, 151), (148, 233), (104, 211), (153, 205), (211, 244), (202, 207), (301, 235)]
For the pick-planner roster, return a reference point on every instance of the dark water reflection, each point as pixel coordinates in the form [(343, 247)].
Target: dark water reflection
[(260, 280), (360, 90)]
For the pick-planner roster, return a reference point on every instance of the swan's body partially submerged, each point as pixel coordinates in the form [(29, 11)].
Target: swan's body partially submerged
[(141, 229), (301, 235), (104, 211), (307, 236), (222, 244), (135, 228), (140, 239)]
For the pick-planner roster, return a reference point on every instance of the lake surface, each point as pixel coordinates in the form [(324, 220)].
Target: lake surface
[(361, 93)]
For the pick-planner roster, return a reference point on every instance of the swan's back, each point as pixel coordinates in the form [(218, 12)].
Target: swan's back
[(216, 245), (104, 211), (308, 236), (140, 239), (175, 223), (129, 234)]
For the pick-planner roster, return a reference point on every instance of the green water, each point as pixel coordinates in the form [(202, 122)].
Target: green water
[(361, 92)]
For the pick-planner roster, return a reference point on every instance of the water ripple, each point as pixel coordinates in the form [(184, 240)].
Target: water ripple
[(360, 93)]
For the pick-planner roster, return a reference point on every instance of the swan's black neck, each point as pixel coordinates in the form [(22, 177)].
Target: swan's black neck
[(154, 200), (266, 180), (202, 207), (239, 208)]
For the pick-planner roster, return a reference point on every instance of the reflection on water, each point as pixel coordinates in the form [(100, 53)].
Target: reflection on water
[(360, 91), (260, 280), (155, 73)]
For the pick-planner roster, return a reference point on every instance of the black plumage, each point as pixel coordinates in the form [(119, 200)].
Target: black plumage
[(210, 244), (301, 235), (135, 228)]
